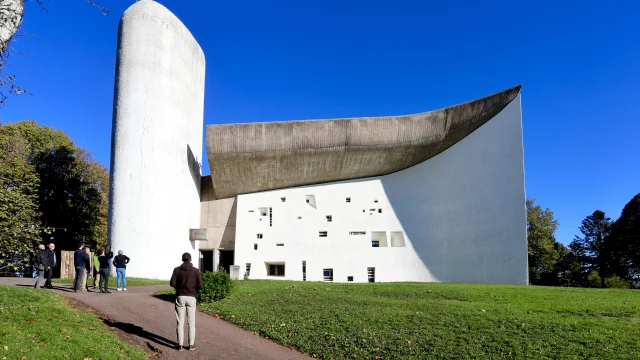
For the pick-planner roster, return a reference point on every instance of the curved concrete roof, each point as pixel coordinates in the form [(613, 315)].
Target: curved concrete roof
[(253, 157)]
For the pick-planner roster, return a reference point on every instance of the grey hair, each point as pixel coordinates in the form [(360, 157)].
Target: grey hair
[(119, 252)]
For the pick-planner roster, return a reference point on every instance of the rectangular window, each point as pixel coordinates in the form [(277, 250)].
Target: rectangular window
[(348, 199), (375, 243), (375, 201), (259, 236), (357, 232), (327, 274), (379, 211), (283, 199), (276, 269), (299, 217), (247, 269), (380, 237), (372, 210), (270, 218), (311, 200), (255, 246), (329, 218), (280, 244), (250, 210), (304, 270), (263, 211), (349, 278), (397, 239), (371, 274), (322, 234)]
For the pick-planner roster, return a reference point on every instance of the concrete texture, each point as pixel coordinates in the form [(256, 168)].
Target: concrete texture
[(151, 324), (156, 140), (248, 158), (457, 217)]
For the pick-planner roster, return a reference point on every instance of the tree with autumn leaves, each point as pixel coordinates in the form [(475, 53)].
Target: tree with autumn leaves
[(50, 189)]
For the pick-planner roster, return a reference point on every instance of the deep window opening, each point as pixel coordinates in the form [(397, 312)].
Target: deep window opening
[(371, 274), (247, 269), (280, 244), (397, 239), (327, 274), (348, 199), (283, 199), (375, 243), (357, 232), (349, 278), (379, 239), (275, 269), (270, 218), (322, 234), (304, 270), (329, 218), (311, 200), (379, 211), (259, 236), (255, 246)]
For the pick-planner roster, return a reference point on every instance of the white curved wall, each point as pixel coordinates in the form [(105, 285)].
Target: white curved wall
[(156, 139), (462, 214)]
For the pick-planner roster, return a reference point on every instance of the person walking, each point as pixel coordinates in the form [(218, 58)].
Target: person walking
[(51, 254), (187, 281), (78, 263), (105, 271), (96, 268), (42, 263), (120, 262)]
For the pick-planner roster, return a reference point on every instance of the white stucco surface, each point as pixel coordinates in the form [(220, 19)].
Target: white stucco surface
[(461, 214), (156, 141)]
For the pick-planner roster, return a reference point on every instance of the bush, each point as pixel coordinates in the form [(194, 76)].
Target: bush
[(215, 286), (593, 279), (615, 282)]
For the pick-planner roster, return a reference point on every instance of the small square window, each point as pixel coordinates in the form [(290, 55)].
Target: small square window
[(379, 211), (348, 199), (329, 218), (375, 243), (255, 246), (259, 236), (349, 278), (283, 199), (322, 234), (327, 274)]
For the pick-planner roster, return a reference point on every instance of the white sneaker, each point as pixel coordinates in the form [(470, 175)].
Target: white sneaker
[(119, 289), (125, 289)]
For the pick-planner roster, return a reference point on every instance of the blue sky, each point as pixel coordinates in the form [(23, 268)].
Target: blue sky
[(578, 61)]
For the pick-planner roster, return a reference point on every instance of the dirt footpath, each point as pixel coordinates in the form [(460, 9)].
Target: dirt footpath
[(140, 317)]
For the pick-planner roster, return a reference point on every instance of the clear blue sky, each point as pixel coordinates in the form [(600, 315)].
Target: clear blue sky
[(578, 61)]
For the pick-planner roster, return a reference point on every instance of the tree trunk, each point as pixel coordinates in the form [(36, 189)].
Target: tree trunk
[(11, 12)]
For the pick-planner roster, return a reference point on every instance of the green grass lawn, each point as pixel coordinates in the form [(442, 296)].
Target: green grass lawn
[(38, 324), (440, 321), (112, 281)]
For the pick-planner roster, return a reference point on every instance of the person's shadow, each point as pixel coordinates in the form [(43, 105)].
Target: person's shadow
[(139, 331)]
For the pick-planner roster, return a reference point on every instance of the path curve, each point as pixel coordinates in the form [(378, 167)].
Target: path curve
[(151, 322)]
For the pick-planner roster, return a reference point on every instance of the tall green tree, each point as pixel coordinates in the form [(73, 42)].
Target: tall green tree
[(542, 250), (19, 216), (594, 248), (625, 235), (73, 187)]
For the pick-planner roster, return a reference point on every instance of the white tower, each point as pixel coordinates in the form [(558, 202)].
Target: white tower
[(156, 140)]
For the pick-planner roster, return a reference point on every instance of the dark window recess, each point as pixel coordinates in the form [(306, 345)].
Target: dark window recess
[(276, 270), (322, 234), (304, 270), (270, 218), (247, 269), (372, 210), (279, 244), (348, 199), (371, 274), (283, 199), (299, 217), (329, 218), (349, 278), (375, 243), (250, 210), (379, 211), (259, 236), (357, 232), (327, 274), (375, 201), (362, 210), (255, 246)]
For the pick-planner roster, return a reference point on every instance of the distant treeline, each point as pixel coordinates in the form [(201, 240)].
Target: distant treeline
[(605, 254)]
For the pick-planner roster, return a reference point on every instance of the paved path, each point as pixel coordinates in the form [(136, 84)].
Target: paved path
[(151, 323)]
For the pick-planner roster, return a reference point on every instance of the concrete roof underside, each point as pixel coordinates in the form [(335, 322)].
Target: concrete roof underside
[(254, 157)]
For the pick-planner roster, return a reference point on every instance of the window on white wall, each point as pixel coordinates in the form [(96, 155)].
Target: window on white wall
[(348, 199), (259, 236), (379, 211), (378, 239), (375, 201), (275, 269), (263, 211), (397, 239), (357, 232), (247, 269), (304, 270), (322, 234), (349, 278), (283, 199), (270, 217), (280, 244), (329, 218), (255, 246), (311, 201), (327, 274), (371, 274)]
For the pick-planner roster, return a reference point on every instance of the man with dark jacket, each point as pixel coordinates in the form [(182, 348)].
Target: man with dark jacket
[(51, 254), (120, 262), (105, 270), (42, 263), (187, 281), (78, 262)]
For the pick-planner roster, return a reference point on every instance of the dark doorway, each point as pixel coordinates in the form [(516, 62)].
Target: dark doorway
[(226, 260), (207, 260)]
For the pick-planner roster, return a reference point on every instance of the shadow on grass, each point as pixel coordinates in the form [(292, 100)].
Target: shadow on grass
[(139, 331)]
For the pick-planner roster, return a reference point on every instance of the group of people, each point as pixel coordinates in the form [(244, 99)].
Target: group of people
[(186, 280), (101, 269)]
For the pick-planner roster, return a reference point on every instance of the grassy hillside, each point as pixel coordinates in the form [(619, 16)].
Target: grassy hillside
[(449, 321), (38, 324)]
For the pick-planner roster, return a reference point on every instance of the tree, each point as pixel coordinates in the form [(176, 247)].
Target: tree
[(73, 187), (542, 250), (19, 217), (625, 235), (594, 248), (11, 13)]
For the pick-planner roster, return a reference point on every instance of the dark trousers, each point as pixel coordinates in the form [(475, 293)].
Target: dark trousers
[(77, 282), (104, 278), (48, 274)]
